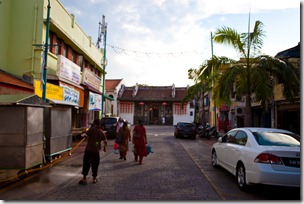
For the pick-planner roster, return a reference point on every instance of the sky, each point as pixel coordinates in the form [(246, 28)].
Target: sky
[(156, 42)]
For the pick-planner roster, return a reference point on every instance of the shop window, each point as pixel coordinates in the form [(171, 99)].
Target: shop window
[(80, 62), (65, 50), (178, 110), (73, 56), (126, 107)]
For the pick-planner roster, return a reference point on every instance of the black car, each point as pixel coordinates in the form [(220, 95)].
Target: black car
[(185, 129), (108, 124)]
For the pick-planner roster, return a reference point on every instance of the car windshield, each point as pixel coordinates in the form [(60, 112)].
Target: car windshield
[(186, 125), (108, 120), (276, 139)]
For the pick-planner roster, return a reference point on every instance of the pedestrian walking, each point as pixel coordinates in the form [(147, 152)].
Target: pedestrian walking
[(163, 120), (125, 132), (139, 141), (119, 124), (91, 155)]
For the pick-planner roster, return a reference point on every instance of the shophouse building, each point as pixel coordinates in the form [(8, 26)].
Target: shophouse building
[(280, 114), (288, 115), (74, 69)]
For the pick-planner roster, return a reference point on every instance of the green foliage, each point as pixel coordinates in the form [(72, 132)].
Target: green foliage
[(253, 73)]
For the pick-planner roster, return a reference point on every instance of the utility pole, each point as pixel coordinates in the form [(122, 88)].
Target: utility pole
[(104, 32), (46, 47)]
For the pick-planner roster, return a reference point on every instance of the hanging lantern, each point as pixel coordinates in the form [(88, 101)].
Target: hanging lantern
[(141, 103), (164, 104)]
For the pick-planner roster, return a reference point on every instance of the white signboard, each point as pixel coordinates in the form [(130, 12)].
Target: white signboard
[(94, 101), (68, 70), (91, 79)]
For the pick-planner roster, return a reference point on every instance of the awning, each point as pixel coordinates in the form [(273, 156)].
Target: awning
[(58, 102), (23, 99), (108, 97), (224, 108), (91, 89)]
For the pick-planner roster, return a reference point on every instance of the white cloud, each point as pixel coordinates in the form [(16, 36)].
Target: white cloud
[(147, 31)]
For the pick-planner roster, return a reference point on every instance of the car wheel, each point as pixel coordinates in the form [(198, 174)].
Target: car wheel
[(241, 177), (214, 159)]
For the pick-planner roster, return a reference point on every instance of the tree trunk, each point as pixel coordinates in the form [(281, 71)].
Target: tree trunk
[(248, 112)]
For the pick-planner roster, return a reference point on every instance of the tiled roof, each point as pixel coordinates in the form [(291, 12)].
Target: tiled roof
[(11, 79), (153, 93), (111, 84)]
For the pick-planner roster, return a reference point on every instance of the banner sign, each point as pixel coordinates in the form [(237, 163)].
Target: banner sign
[(91, 79), (94, 101), (68, 70), (70, 95), (52, 91)]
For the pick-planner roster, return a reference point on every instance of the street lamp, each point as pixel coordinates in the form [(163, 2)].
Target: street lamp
[(104, 32)]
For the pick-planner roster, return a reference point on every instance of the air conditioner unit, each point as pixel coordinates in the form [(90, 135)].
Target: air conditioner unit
[(240, 111)]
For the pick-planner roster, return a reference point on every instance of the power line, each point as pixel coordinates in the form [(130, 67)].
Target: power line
[(130, 52)]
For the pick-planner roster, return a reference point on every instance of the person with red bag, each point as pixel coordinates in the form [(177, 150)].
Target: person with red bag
[(139, 141)]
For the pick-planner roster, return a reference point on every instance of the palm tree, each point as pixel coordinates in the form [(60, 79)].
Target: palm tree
[(255, 74), (202, 79)]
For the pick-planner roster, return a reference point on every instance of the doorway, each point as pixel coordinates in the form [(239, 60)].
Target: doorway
[(153, 114)]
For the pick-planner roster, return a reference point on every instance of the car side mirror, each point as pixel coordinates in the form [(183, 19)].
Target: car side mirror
[(220, 140)]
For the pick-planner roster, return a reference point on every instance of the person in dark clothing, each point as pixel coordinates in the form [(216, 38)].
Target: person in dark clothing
[(91, 155)]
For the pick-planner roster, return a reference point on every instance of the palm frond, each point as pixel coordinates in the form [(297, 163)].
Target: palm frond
[(230, 37), (287, 74)]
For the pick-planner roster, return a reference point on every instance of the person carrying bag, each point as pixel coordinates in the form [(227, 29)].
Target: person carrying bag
[(139, 141), (123, 138)]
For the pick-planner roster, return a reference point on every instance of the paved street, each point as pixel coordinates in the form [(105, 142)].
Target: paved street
[(178, 170)]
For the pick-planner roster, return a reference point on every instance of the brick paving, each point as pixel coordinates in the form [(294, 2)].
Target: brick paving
[(168, 174)]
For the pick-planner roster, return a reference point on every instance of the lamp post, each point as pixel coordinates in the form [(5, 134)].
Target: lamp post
[(104, 32), (214, 108), (46, 46)]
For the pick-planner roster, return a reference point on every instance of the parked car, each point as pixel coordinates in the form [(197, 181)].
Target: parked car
[(259, 156), (108, 125), (185, 129)]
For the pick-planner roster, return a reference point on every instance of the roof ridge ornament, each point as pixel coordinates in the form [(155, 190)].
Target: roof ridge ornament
[(121, 90), (173, 91), (135, 90)]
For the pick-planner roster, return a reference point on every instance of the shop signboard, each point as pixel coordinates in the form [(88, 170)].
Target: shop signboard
[(52, 91), (94, 101), (91, 79), (68, 70)]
